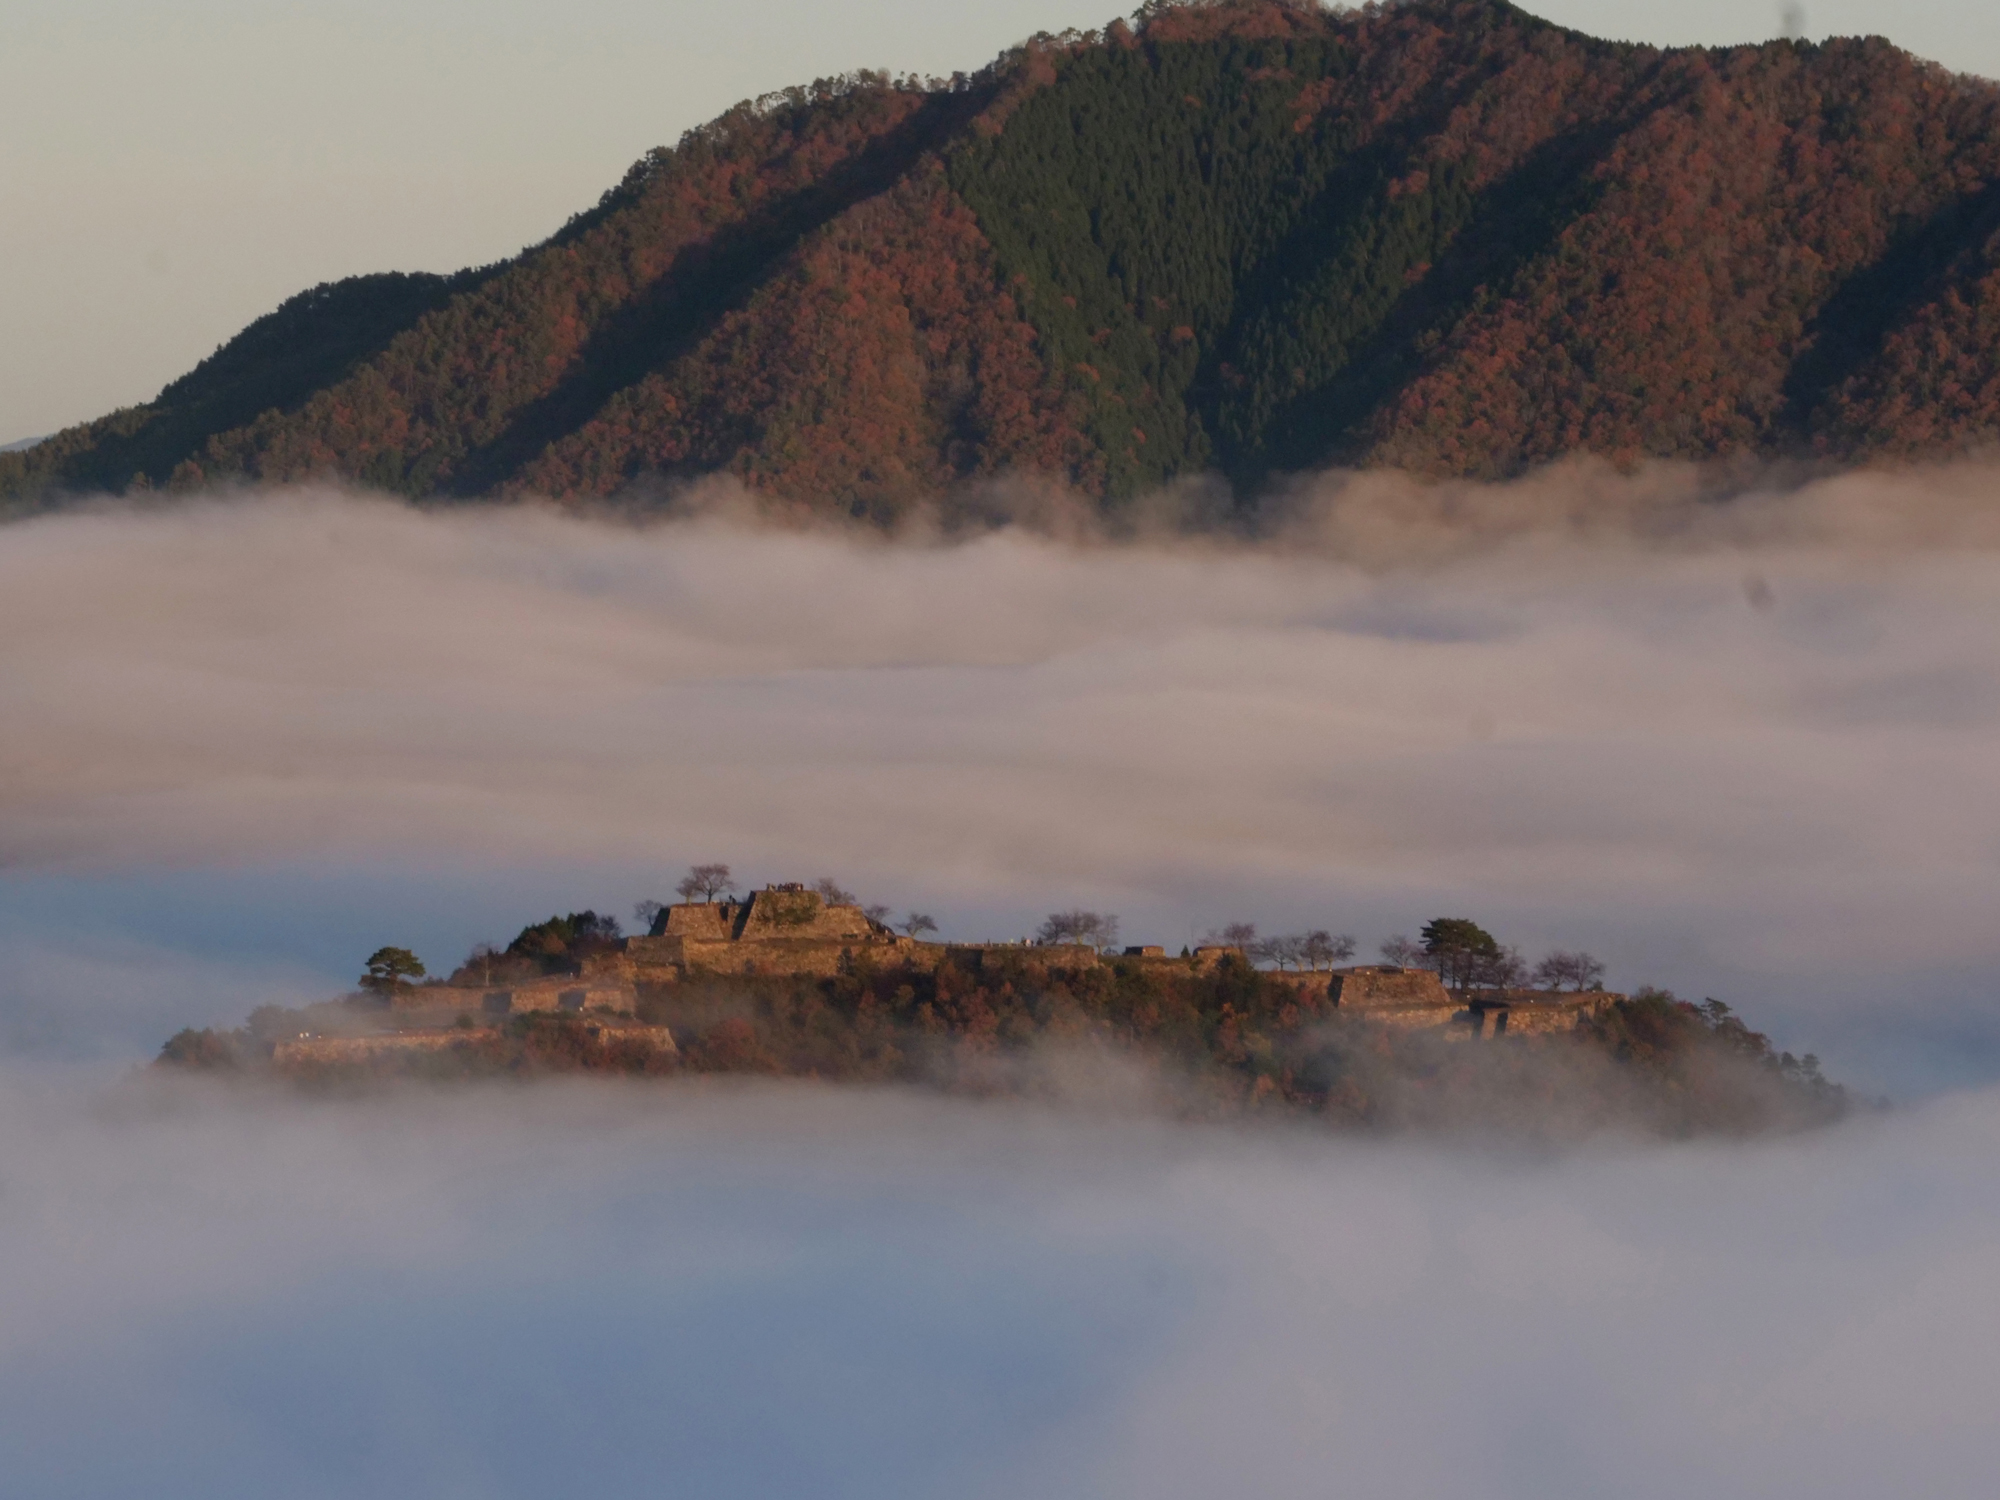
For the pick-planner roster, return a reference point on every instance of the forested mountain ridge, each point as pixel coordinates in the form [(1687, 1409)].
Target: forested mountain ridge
[(1248, 236)]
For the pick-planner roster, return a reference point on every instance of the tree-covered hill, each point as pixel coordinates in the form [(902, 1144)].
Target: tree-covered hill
[(1248, 236)]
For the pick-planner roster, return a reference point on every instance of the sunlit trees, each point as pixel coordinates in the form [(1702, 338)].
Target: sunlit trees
[(204, 1050), (390, 971), (1094, 929), (1321, 949), (1305, 950), (559, 944), (705, 883), (1247, 238), (1566, 970), (1461, 951)]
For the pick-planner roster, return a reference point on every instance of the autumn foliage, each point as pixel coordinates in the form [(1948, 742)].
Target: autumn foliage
[(1249, 236), (1202, 1045)]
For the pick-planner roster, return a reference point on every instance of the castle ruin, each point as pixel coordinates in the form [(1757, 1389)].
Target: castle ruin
[(792, 931)]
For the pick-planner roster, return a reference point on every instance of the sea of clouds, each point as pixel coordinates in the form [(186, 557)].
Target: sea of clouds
[(1739, 746), (777, 1290)]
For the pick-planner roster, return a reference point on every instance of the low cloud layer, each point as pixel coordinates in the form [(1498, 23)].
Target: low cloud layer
[(790, 1291), (1750, 738), (1743, 744)]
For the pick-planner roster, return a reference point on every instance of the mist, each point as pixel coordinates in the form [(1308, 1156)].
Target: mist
[(790, 1290), (1735, 742), (1739, 745)]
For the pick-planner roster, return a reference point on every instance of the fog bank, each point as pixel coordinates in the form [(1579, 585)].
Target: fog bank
[(792, 1291), (1740, 745)]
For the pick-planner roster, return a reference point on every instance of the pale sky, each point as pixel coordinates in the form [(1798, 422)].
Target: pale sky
[(172, 172)]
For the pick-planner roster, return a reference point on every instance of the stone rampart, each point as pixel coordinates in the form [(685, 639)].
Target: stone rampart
[(1375, 987), (336, 1049), (1536, 1012), (791, 912), (607, 1030), (1420, 1017), (714, 920), (569, 993), (980, 958), (554, 992)]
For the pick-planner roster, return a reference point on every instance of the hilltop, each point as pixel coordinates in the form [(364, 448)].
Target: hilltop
[(1244, 237), (804, 982)]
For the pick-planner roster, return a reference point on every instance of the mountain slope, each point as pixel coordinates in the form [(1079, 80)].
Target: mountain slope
[(1246, 236)]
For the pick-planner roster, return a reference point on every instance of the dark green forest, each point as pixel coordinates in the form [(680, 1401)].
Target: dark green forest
[(1243, 237)]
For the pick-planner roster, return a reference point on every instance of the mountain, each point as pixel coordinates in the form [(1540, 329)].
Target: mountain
[(1248, 237)]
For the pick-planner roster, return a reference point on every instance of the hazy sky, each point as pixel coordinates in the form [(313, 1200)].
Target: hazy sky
[(171, 172)]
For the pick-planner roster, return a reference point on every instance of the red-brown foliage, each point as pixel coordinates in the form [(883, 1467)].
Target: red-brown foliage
[(880, 363)]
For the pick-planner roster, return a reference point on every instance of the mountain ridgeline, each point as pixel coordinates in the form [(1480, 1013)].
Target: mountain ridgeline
[(1247, 237)]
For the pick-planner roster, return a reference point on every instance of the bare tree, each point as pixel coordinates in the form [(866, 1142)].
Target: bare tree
[(483, 954), (1097, 929), (1504, 970), (705, 883), (918, 922), (647, 914), (1282, 951), (1405, 954), (1236, 935), (833, 893), (1564, 970), (1321, 947)]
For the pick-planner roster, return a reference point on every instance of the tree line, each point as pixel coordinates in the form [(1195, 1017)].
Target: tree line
[(1464, 955)]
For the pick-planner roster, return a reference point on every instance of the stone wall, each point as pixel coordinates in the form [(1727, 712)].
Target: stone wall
[(1537, 1012), (604, 1030), (791, 912), (554, 992), (714, 920), (786, 911), (1450, 1017), (622, 1029), (1024, 958), (667, 960), (339, 1049), (1373, 987)]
